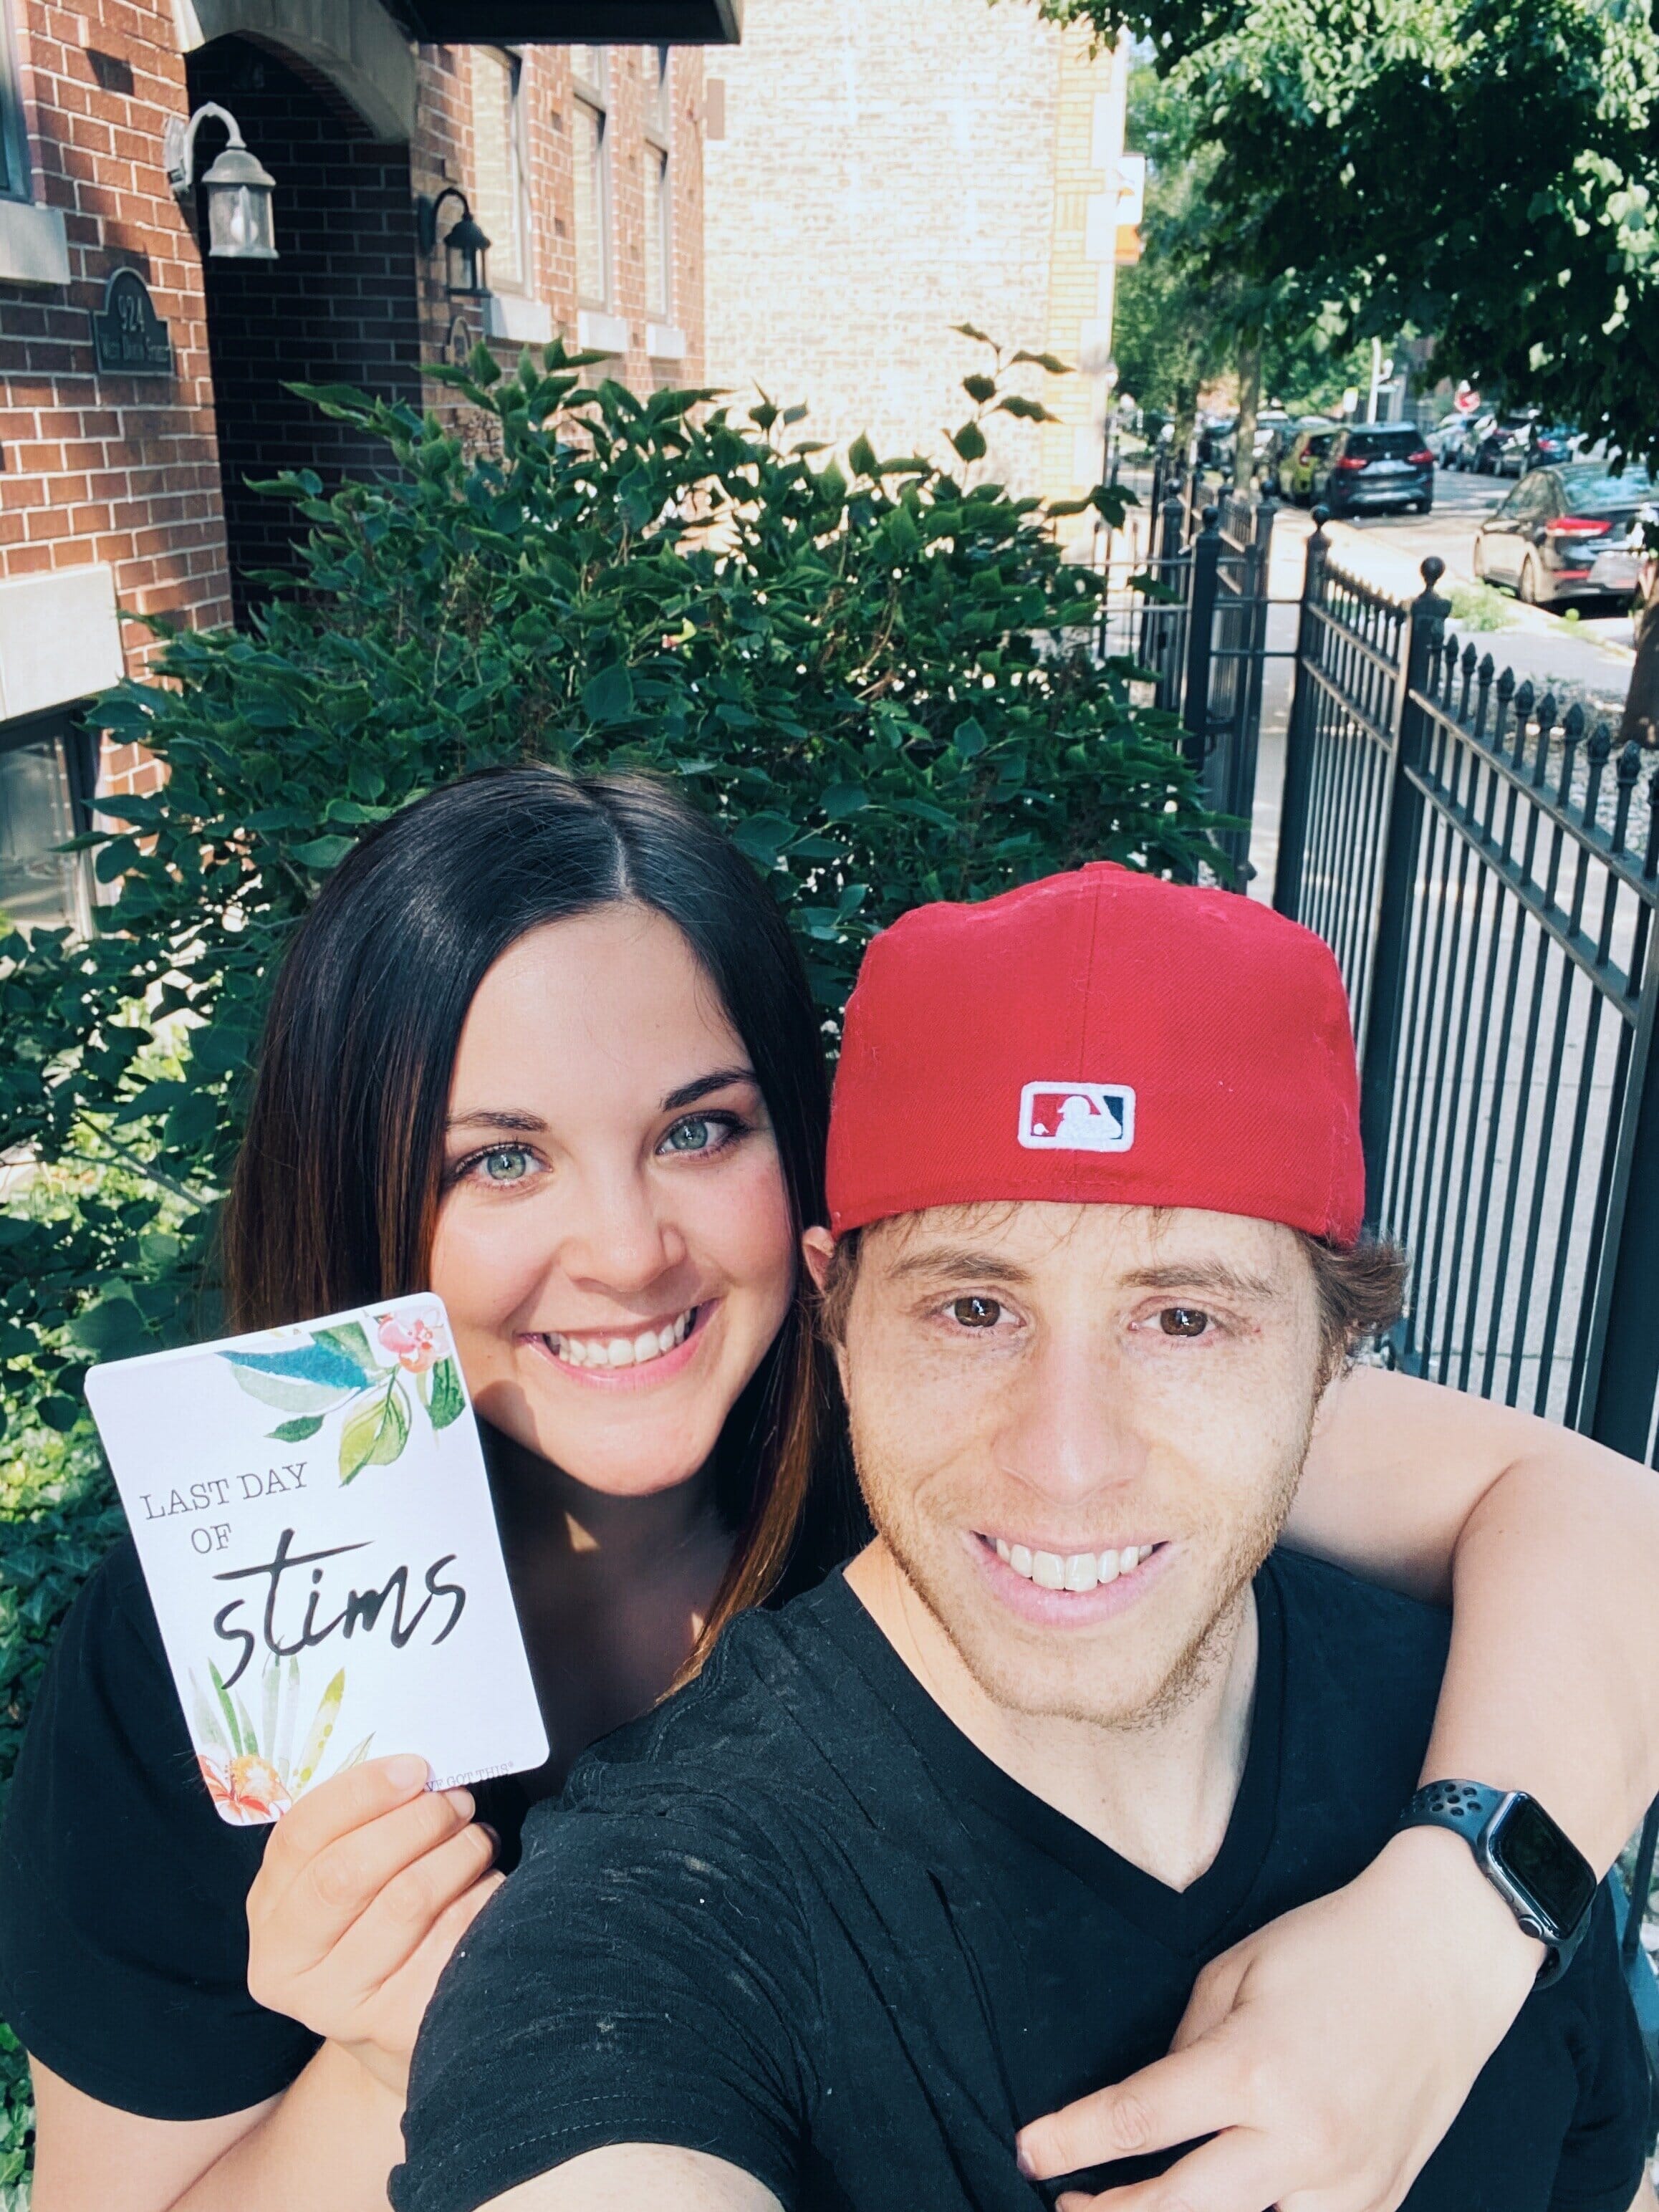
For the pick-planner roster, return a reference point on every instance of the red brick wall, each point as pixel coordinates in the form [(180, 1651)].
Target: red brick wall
[(99, 468), (109, 468)]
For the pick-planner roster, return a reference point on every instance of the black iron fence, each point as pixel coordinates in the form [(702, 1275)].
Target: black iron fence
[(1486, 871)]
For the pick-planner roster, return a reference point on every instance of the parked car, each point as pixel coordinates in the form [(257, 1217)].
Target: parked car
[(1567, 533), (1549, 444), (1448, 440), (1376, 464), (1468, 453), (1301, 465), (1504, 449)]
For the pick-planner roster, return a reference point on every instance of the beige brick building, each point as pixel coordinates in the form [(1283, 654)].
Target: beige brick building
[(124, 459), (883, 169)]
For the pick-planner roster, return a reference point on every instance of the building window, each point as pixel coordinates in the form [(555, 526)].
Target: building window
[(657, 190), (590, 154), (47, 770), (13, 141), (498, 196)]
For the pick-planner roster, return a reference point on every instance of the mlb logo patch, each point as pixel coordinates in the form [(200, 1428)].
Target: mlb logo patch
[(1076, 1117)]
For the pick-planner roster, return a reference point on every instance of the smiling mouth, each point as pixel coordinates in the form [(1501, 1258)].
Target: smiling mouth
[(607, 1349), (1077, 1571)]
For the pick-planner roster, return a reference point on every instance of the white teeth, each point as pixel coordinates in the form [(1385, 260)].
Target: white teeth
[(1078, 1571), (622, 1350)]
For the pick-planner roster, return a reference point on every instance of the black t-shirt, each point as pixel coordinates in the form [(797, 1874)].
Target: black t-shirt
[(124, 1895), (796, 1920)]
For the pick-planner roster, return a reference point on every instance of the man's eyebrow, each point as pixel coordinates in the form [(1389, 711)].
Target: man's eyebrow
[(720, 1079), (506, 1117), (959, 1264), (1202, 1275)]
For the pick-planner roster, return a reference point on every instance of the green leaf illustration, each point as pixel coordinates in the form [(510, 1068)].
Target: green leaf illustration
[(356, 1755), (288, 1714), (316, 1737), (207, 1720), (236, 1744), (447, 1400), (376, 1433), (290, 1394), (250, 1738), (269, 1687), (296, 1431), (350, 1340)]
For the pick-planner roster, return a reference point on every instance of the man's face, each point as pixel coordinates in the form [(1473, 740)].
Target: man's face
[(1112, 1399)]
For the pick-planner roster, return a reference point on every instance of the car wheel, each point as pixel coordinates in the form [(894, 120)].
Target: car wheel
[(1422, 506), (1527, 589), (1477, 562)]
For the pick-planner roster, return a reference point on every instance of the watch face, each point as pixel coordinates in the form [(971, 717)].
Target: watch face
[(1538, 1858)]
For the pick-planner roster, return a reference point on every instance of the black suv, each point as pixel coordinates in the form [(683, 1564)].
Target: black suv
[(1378, 464)]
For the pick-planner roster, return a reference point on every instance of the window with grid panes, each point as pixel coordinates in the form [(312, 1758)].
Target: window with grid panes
[(590, 154), (498, 170), (14, 143), (655, 190)]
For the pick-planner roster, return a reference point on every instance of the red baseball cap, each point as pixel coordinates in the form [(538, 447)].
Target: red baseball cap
[(1100, 1035)]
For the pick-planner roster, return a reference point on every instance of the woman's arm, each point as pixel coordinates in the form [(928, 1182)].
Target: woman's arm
[(1547, 1545), (325, 2145)]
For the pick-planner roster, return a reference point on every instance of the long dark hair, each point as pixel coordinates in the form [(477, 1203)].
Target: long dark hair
[(335, 1199)]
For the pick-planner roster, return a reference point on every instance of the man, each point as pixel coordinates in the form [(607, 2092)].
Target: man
[(936, 1850)]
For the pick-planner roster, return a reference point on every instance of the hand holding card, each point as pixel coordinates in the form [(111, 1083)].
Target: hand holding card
[(314, 1519)]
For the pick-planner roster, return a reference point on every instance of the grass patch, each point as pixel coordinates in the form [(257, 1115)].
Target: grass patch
[(1478, 607)]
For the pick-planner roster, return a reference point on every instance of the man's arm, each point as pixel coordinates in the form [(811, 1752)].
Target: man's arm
[(640, 2178), (1549, 1546)]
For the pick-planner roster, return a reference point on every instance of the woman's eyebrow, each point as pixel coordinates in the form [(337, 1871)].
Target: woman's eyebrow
[(506, 1118), (689, 1093)]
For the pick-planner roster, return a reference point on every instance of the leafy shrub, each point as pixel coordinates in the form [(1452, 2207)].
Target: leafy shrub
[(880, 684)]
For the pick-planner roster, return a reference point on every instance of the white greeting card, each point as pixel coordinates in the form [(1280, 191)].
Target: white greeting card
[(315, 1522)]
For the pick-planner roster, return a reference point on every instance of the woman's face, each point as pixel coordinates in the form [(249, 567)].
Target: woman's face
[(614, 1243)]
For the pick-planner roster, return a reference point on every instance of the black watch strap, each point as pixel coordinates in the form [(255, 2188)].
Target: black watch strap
[(1469, 1809)]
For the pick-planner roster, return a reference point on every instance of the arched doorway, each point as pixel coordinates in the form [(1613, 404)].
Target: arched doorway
[(340, 306)]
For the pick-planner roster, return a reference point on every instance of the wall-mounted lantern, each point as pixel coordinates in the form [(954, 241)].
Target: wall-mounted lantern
[(238, 187), (465, 244)]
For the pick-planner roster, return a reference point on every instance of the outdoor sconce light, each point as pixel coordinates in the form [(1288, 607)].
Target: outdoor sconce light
[(465, 244), (238, 187)]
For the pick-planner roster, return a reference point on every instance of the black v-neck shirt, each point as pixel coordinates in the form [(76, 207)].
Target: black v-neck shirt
[(797, 1920)]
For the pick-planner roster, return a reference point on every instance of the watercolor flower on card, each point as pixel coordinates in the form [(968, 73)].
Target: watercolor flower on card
[(322, 1372), (253, 1772)]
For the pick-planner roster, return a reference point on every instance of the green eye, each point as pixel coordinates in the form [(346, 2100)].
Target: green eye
[(975, 1312), (694, 1134), (507, 1164)]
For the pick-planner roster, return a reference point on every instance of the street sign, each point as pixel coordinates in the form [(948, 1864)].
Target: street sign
[(1465, 401)]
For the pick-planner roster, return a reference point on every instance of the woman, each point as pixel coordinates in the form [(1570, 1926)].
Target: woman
[(544, 1045)]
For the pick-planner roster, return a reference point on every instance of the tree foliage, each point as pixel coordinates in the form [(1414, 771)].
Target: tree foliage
[(1485, 170)]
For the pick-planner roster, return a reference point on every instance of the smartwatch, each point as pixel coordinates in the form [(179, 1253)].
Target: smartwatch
[(1541, 1875)]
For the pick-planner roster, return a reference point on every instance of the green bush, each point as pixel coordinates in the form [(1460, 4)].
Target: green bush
[(880, 684)]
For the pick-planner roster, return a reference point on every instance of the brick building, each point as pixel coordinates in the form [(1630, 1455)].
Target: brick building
[(883, 169), (123, 458)]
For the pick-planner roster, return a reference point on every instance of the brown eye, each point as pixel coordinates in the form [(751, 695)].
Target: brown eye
[(976, 1312), (1183, 1321)]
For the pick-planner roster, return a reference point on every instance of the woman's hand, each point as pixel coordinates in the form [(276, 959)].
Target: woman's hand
[(1324, 2056), (366, 1887)]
